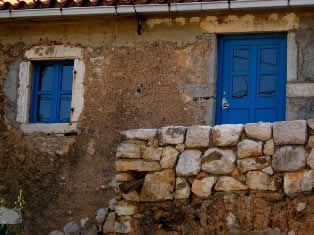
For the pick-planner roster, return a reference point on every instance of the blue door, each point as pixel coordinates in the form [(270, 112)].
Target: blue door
[(251, 78)]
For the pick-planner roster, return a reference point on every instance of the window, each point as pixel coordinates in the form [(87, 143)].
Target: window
[(52, 92)]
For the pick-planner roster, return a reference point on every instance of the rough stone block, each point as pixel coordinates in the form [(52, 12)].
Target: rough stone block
[(269, 147), (257, 180), (151, 153), (128, 150), (125, 208), (289, 158), (218, 161), (227, 135), (72, 228), (227, 183), (298, 181), (169, 157), (310, 159), (260, 131), (249, 148), (189, 163), (203, 187), (198, 136), (183, 189), (171, 135), (123, 227), (290, 132), (141, 134), (268, 170), (158, 186), (254, 163), (137, 165)]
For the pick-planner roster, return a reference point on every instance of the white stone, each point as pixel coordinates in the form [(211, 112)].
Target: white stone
[(301, 206), (249, 148), (151, 153), (125, 208), (268, 170), (301, 181), (227, 134), (141, 134), (101, 215), (137, 165), (218, 161), (227, 183), (310, 159), (128, 150), (183, 189), (109, 224), (72, 228), (260, 131), (289, 158), (198, 136), (269, 147), (10, 216), (169, 157), (189, 163), (53, 128), (300, 89), (203, 187), (290, 132), (253, 163), (171, 135), (257, 180)]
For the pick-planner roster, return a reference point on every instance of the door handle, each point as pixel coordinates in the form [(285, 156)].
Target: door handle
[(224, 103)]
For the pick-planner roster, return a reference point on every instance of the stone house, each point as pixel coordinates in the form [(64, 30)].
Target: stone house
[(73, 74)]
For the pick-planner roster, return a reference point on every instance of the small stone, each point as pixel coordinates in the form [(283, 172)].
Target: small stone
[(72, 228), (123, 227), (269, 147), (218, 161), (227, 134), (109, 224), (301, 181), (183, 189), (249, 148), (203, 187), (124, 176), (227, 183), (253, 163), (180, 147), (310, 159), (311, 142), (141, 134), (290, 132), (101, 215), (197, 137), (128, 150), (171, 135), (260, 131), (125, 208), (151, 153), (137, 165), (289, 158), (169, 157), (189, 163), (112, 204), (56, 233), (132, 196), (158, 186), (257, 180), (301, 206), (268, 170)]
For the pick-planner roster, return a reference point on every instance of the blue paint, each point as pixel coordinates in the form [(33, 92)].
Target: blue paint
[(251, 78), (52, 92)]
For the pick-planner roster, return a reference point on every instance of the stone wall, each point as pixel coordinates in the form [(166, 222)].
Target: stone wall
[(225, 179)]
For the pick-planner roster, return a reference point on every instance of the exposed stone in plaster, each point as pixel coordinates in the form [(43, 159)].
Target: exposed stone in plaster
[(300, 89)]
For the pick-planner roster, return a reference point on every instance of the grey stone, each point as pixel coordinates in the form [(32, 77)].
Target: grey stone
[(218, 161), (198, 137), (290, 132), (151, 153), (268, 170), (227, 134), (112, 204), (128, 150), (72, 228), (295, 182), (141, 134), (254, 163), (169, 157), (310, 159), (183, 189), (10, 216), (109, 223), (137, 165), (101, 215), (171, 135), (227, 183), (125, 208), (289, 158), (269, 147), (300, 108), (123, 227), (249, 148), (260, 131), (203, 187), (257, 180), (56, 233), (189, 163)]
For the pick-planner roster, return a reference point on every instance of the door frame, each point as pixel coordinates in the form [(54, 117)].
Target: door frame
[(221, 40)]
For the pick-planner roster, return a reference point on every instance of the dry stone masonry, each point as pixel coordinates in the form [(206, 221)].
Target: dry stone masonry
[(171, 176)]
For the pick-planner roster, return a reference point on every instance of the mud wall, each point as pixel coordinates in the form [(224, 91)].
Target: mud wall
[(229, 179), (165, 76)]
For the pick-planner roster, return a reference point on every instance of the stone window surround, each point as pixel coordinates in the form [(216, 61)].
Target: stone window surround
[(44, 53)]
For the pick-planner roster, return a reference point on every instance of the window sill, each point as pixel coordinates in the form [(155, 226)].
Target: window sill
[(49, 128)]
